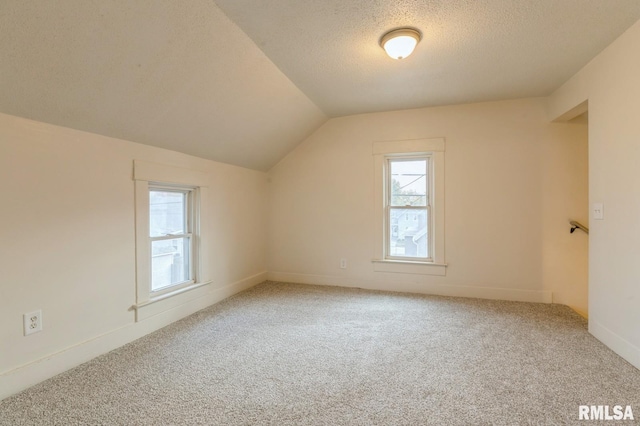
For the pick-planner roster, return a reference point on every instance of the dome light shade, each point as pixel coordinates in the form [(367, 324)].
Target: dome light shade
[(400, 43)]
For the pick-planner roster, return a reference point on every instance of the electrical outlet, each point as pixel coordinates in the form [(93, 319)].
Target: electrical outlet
[(343, 263), (32, 322)]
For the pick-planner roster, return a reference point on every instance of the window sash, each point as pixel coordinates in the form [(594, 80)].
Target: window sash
[(389, 179), (187, 246), (171, 237)]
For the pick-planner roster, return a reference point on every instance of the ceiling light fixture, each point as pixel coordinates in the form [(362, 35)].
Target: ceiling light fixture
[(399, 43)]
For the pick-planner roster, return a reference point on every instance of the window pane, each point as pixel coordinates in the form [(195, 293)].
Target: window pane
[(408, 185), (169, 262), (408, 233), (167, 213)]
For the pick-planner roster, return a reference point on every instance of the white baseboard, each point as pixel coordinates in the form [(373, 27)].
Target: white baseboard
[(616, 343), (413, 287), (35, 372)]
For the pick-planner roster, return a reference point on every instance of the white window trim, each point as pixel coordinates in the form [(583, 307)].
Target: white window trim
[(434, 148), (148, 175)]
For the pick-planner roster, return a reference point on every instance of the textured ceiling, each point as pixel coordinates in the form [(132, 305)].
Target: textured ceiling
[(245, 84), (178, 75), (472, 50)]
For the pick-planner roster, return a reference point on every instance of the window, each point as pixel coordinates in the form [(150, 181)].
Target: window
[(169, 237), (409, 206), (171, 219)]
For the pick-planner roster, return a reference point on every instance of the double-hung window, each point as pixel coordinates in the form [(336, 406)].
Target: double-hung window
[(170, 237), (171, 220), (409, 206)]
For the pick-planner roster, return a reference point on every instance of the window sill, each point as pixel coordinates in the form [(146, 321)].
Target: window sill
[(163, 302), (409, 267)]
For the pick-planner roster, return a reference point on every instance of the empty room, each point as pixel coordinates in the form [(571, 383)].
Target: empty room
[(296, 212)]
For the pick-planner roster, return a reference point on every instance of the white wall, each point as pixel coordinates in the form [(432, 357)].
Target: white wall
[(501, 160), (68, 244), (611, 84)]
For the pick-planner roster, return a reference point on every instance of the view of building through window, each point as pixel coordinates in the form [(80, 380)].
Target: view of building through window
[(408, 208)]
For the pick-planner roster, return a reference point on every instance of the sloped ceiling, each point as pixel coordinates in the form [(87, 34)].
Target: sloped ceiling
[(244, 81), (177, 75)]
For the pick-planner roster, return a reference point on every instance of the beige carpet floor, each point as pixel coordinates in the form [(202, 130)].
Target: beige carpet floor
[(288, 354)]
